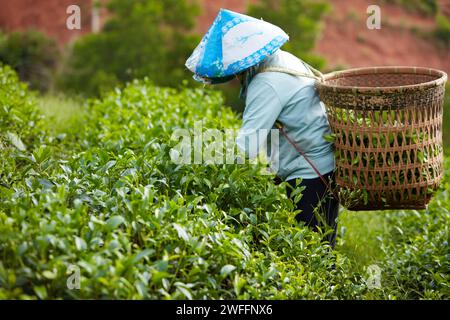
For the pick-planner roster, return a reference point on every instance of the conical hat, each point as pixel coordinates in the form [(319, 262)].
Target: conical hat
[(233, 43)]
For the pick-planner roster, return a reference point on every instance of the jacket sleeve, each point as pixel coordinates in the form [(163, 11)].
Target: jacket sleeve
[(262, 108)]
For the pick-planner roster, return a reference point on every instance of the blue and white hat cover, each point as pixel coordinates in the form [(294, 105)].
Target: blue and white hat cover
[(233, 43)]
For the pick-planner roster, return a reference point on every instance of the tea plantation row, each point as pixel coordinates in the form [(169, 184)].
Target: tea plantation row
[(106, 199)]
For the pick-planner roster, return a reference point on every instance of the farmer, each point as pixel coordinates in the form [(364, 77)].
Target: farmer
[(279, 92)]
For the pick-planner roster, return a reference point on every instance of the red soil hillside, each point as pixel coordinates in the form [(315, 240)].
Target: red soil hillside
[(347, 42), (48, 16)]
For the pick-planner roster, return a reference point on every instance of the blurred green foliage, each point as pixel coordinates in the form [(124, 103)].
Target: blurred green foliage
[(427, 7), (33, 55), (446, 121), (62, 113), (300, 19), (142, 38), (442, 31)]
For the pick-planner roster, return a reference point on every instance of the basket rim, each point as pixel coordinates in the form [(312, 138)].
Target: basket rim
[(441, 79)]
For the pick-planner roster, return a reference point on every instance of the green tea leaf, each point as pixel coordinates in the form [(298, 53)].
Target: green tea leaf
[(227, 269), (16, 141), (181, 232), (114, 222)]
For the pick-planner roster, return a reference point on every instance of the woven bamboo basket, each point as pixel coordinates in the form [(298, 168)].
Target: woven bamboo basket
[(387, 124)]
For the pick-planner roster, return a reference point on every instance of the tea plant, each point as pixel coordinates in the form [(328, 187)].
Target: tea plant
[(107, 199)]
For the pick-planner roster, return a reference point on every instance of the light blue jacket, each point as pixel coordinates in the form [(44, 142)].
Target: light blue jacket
[(293, 101)]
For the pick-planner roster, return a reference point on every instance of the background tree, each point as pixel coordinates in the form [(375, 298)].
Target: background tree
[(33, 55), (300, 19), (143, 38)]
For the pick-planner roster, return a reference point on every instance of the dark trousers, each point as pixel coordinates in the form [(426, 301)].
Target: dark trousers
[(318, 206)]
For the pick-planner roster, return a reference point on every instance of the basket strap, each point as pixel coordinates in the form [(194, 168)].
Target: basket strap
[(299, 150), (316, 74)]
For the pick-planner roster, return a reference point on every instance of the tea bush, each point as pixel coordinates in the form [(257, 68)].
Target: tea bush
[(20, 122), (419, 250), (300, 19), (139, 38), (109, 201)]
